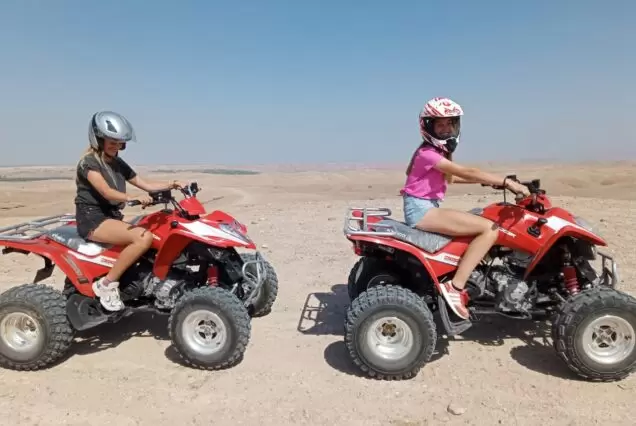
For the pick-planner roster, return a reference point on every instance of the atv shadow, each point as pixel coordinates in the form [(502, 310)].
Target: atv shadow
[(323, 314), (110, 335), (536, 352)]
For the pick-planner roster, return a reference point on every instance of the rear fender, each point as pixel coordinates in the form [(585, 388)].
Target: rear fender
[(391, 245), (570, 230), (53, 255)]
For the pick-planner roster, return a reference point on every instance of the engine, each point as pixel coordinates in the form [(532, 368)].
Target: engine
[(511, 293), (162, 290), (140, 282), (504, 284)]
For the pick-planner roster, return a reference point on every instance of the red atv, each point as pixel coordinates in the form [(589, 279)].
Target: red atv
[(539, 267), (193, 272)]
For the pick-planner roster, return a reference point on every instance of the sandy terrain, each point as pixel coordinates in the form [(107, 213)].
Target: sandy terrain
[(295, 370)]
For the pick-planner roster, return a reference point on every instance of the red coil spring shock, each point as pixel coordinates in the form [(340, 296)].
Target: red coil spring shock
[(571, 281)]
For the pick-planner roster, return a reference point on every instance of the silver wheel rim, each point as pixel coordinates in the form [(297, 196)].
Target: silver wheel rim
[(608, 339), (390, 338), (21, 332), (204, 332)]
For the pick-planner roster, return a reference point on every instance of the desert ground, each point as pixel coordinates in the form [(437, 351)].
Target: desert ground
[(295, 370)]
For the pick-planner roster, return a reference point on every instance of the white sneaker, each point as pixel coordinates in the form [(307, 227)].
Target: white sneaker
[(108, 295)]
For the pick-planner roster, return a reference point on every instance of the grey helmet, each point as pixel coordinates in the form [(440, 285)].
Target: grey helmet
[(111, 125)]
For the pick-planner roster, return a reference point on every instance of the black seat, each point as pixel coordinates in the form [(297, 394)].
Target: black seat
[(427, 241), (68, 236)]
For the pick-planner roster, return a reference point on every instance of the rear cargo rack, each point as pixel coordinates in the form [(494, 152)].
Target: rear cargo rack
[(352, 225), (33, 229)]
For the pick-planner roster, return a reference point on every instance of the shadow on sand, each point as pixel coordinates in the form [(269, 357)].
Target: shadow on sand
[(323, 314), (110, 335)]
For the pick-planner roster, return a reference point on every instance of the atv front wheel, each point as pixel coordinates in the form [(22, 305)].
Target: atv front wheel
[(262, 303), (34, 329), (369, 272), (389, 332), (595, 334), (210, 328)]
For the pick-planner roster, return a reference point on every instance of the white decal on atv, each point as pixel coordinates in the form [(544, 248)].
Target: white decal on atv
[(90, 249), (505, 231), (204, 230), (556, 223), (449, 259), (99, 260)]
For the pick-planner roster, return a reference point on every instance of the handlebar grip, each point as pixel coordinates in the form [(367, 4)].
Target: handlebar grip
[(133, 203)]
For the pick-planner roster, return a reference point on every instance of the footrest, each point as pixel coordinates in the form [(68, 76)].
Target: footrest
[(452, 328)]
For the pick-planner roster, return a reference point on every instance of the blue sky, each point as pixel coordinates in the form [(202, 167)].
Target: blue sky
[(330, 81)]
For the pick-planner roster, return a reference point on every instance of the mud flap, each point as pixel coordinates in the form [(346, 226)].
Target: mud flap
[(452, 328), (44, 272)]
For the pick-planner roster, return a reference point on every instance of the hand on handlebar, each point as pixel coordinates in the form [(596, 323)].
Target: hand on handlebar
[(176, 184), (143, 200), (517, 188)]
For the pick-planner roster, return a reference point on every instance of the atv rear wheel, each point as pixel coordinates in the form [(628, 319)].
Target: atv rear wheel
[(210, 328), (595, 334), (369, 272), (390, 332), (262, 303), (34, 329)]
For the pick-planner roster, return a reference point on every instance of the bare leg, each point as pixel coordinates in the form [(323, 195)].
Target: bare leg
[(458, 223), (136, 240)]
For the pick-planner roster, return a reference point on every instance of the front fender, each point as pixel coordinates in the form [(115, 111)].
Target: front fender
[(178, 239), (573, 231)]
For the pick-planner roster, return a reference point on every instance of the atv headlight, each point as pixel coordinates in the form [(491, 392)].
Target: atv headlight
[(233, 231), (585, 225)]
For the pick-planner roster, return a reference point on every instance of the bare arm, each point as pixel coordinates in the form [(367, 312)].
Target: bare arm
[(468, 174), (148, 186), (457, 179)]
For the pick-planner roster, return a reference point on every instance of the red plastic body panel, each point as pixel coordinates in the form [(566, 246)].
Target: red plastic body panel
[(513, 221), (172, 233)]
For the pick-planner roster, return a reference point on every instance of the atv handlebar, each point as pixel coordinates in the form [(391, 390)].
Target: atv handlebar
[(534, 186), (165, 196)]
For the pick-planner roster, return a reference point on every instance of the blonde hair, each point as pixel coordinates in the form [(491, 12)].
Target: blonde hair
[(449, 178), (98, 156)]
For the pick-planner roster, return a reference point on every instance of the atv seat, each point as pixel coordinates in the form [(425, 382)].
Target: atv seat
[(427, 241), (67, 235)]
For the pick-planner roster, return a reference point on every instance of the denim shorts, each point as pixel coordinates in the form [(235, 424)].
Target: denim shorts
[(415, 208)]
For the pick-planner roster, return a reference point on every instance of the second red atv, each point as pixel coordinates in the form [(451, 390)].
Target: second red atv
[(539, 267), (193, 272)]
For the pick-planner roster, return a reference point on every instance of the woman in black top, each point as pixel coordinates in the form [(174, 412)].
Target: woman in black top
[(101, 194)]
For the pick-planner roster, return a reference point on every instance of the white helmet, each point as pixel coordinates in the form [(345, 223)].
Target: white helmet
[(111, 125), (440, 108)]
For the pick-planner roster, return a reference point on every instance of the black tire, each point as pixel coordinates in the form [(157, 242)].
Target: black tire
[(380, 301), (576, 315), (46, 308), (234, 318), (262, 304), (369, 272)]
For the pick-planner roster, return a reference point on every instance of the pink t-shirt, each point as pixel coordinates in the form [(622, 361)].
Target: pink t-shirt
[(425, 181)]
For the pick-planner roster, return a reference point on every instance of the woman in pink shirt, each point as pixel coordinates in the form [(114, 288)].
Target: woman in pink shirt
[(430, 170)]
